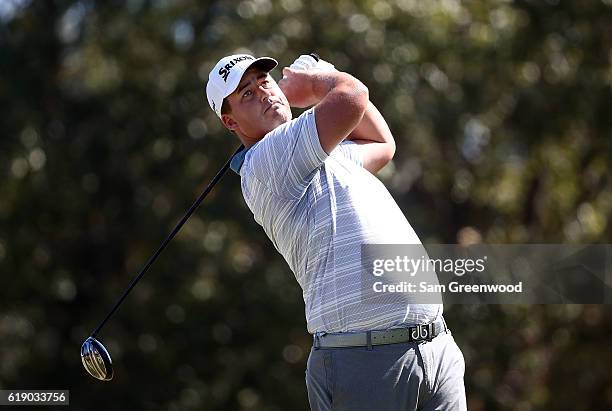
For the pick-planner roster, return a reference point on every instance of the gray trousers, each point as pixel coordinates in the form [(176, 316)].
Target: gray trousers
[(407, 376)]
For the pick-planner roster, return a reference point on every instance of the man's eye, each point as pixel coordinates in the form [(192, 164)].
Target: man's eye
[(247, 93)]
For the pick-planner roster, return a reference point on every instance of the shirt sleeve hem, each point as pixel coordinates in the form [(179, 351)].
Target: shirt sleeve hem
[(321, 154)]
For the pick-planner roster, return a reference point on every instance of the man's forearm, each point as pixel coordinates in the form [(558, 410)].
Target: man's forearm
[(374, 135), (325, 82), (341, 102), (373, 128)]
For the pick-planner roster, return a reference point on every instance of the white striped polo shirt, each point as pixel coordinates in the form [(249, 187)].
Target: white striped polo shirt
[(318, 210)]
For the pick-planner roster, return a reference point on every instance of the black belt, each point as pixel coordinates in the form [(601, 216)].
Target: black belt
[(417, 333)]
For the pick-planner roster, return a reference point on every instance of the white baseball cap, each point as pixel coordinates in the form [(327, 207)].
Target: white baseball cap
[(227, 73)]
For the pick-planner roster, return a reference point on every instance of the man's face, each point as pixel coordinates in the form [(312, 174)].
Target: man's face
[(258, 105)]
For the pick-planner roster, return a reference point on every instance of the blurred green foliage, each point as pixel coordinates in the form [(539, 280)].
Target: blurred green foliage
[(502, 115)]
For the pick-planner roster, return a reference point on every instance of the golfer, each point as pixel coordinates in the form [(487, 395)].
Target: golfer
[(309, 183)]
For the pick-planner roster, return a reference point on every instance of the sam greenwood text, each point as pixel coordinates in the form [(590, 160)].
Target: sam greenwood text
[(453, 287)]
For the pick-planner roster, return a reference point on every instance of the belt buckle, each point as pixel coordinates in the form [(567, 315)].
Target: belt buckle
[(421, 332)]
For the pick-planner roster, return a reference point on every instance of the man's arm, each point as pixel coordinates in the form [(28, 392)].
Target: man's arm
[(341, 101), (378, 145)]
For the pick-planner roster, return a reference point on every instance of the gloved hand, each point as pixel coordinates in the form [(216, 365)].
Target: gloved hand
[(308, 61), (311, 61)]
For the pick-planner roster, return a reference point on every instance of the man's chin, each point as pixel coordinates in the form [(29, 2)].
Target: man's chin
[(280, 116)]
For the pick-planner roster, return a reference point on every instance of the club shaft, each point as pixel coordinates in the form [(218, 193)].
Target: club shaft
[(175, 231)]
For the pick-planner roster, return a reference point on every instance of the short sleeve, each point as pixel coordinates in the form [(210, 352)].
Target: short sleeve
[(351, 151), (286, 159)]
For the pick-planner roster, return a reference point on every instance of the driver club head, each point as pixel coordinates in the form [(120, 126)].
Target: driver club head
[(96, 359)]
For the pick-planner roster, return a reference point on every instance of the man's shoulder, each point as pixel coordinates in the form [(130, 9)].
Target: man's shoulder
[(286, 158)]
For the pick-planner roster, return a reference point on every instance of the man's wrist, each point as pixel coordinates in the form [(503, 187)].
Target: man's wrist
[(323, 82)]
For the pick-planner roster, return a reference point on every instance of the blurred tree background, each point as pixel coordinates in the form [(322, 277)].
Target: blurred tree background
[(502, 115)]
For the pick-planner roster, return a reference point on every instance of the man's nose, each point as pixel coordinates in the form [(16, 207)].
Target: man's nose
[(264, 92)]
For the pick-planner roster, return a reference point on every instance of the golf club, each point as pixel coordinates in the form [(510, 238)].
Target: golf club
[(95, 357)]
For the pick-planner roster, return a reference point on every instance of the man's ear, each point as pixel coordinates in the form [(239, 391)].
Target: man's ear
[(229, 122)]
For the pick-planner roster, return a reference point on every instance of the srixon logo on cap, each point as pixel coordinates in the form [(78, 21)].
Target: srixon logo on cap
[(225, 70)]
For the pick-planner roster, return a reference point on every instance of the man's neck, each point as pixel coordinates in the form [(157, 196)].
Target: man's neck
[(248, 141)]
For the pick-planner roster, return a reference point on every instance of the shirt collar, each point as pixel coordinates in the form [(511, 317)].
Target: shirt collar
[(238, 159)]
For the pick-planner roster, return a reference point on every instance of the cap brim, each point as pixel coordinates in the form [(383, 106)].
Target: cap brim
[(264, 63)]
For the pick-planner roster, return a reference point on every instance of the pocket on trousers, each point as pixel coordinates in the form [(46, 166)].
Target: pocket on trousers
[(317, 383), (460, 357)]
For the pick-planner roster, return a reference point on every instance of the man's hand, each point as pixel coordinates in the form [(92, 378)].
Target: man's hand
[(298, 95), (297, 85)]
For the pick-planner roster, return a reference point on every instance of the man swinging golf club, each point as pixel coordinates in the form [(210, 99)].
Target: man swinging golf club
[(308, 182)]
